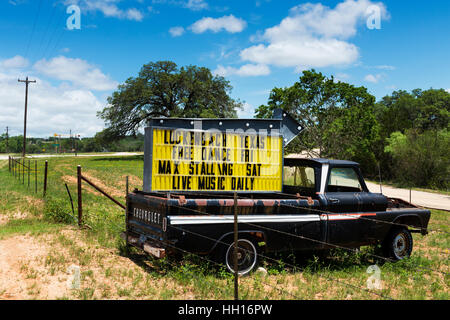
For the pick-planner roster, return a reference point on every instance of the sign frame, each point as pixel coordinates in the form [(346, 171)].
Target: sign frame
[(282, 125)]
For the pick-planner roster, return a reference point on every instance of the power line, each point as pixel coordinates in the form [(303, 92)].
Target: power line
[(46, 29), (34, 26), (59, 20)]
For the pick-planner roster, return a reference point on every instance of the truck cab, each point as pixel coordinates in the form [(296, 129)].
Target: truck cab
[(337, 184)]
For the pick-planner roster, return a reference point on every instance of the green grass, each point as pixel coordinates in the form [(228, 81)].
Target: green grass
[(341, 275), (32, 226)]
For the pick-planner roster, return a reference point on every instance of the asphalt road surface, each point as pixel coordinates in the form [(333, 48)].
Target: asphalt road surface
[(419, 198)]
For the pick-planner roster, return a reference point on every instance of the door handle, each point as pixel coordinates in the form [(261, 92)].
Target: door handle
[(334, 200)]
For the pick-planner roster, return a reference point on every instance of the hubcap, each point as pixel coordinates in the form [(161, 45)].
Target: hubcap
[(400, 246), (246, 256)]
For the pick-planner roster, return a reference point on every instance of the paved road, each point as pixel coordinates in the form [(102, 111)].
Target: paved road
[(419, 198)]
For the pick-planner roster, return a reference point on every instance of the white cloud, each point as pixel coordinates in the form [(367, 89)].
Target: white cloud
[(51, 109), (247, 70), (109, 8), (16, 62), (228, 23), (134, 14), (385, 67), (67, 102), (247, 112), (448, 90), (304, 54), (373, 78), (79, 72), (342, 76), (313, 35), (176, 31), (196, 5)]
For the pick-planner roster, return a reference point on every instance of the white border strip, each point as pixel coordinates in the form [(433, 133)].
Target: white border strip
[(177, 220)]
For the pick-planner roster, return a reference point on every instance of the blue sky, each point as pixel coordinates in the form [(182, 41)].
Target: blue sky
[(256, 44)]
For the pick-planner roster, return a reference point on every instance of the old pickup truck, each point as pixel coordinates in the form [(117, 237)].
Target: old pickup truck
[(321, 203)]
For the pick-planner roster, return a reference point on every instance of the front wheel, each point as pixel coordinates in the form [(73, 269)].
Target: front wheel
[(398, 244), (247, 256)]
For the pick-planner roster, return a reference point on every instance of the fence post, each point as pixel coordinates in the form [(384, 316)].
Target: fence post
[(126, 213), (9, 163), (29, 169), (23, 171), (236, 275), (45, 177), (80, 204), (35, 176)]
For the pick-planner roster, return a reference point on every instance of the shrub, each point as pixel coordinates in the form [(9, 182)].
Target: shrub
[(421, 160), (58, 210)]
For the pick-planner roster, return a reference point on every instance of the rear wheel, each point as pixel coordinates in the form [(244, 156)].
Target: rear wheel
[(398, 244), (247, 256)]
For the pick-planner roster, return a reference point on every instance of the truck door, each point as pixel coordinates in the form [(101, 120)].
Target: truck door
[(301, 179), (342, 194)]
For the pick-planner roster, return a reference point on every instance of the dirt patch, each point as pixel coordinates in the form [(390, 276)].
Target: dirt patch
[(110, 190), (22, 275), (34, 202), (42, 267), (5, 218)]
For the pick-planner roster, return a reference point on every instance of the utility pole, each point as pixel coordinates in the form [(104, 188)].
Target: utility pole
[(7, 137), (71, 141), (26, 81)]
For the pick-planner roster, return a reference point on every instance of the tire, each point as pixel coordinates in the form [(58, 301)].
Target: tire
[(398, 244), (247, 256)]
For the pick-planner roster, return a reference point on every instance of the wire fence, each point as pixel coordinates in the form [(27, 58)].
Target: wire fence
[(28, 172)]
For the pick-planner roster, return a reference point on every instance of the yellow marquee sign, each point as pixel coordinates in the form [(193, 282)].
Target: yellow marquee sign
[(193, 160)]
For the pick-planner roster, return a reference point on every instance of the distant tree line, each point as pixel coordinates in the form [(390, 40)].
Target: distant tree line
[(70, 145)]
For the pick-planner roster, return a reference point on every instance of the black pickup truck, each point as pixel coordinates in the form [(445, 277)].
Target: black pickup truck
[(322, 203)]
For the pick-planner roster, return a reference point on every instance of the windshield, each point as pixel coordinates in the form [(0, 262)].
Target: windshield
[(343, 180)]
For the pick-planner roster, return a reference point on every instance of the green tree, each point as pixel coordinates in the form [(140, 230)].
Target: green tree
[(420, 110), (402, 111), (421, 159), (339, 118), (163, 90)]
